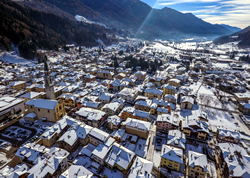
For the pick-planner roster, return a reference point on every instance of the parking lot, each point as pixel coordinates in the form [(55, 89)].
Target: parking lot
[(16, 132)]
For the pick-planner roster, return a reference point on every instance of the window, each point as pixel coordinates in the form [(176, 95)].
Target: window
[(48, 111), (31, 107), (38, 109)]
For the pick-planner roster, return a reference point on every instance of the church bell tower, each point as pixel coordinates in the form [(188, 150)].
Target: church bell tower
[(49, 87)]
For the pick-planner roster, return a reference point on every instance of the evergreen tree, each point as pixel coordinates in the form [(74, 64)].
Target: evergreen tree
[(80, 49), (116, 64)]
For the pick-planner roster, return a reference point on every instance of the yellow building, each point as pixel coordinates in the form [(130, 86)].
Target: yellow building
[(171, 157), (120, 157), (197, 165), (50, 110), (153, 93), (174, 82), (69, 99), (18, 85), (53, 133), (153, 108), (242, 97), (168, 90), (127, 112)]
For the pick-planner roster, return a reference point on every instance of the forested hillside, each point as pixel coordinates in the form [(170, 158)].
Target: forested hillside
[(24, 26)]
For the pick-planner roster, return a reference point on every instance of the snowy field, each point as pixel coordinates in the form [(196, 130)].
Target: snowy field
[(14, 57), (216, 118), (186, 46), (161, 48), (206, 96)]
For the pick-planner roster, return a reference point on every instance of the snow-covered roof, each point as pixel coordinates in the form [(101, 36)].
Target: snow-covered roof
[(91, 114), (43, 103), (101, 151), (75, 132), (141, 168), (18, 171), (168, 118), (137, 124), (115, 120), (99, 134), (48, 165), (30, 95), (142, 114), (172, 153), (119, 155), (176, 138), (112, 106), (237, 159), (7, 102), (187, 99), (17, 83), (153, 91), (76, 171), (58, 127), (30, 115), (197, 159), (229, 133)]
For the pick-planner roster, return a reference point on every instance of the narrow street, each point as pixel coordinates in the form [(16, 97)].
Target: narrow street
[(241, 124), (152, 133)]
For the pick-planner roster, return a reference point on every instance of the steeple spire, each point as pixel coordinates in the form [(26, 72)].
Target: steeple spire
[(49, 87), (46, 66)]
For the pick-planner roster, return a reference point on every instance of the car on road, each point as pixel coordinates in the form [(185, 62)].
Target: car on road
[(12, 135), (6, 132), (232, 116)]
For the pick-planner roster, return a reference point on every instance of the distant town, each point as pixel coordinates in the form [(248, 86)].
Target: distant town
[(133, 109)]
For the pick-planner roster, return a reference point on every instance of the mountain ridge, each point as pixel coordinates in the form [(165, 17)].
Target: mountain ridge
[(242, 36), (139, 17)]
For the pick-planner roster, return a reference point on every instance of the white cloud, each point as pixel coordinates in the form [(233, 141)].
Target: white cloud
[(231, 12), (171, 2)]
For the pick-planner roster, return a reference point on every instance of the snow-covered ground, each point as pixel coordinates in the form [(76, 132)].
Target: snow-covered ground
[(196, 148), (159, 47), (216, 118), (16, 133), (14, 57), (157, 158), (83, 19), (5, 145), (186, 46), (141, 148), (3, 159), (112, 173)]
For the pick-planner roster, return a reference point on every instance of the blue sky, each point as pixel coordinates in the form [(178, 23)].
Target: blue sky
[(231, 12)]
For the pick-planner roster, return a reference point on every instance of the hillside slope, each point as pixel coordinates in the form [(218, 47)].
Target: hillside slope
[(242, 36), (46, 30), (138, 17)]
